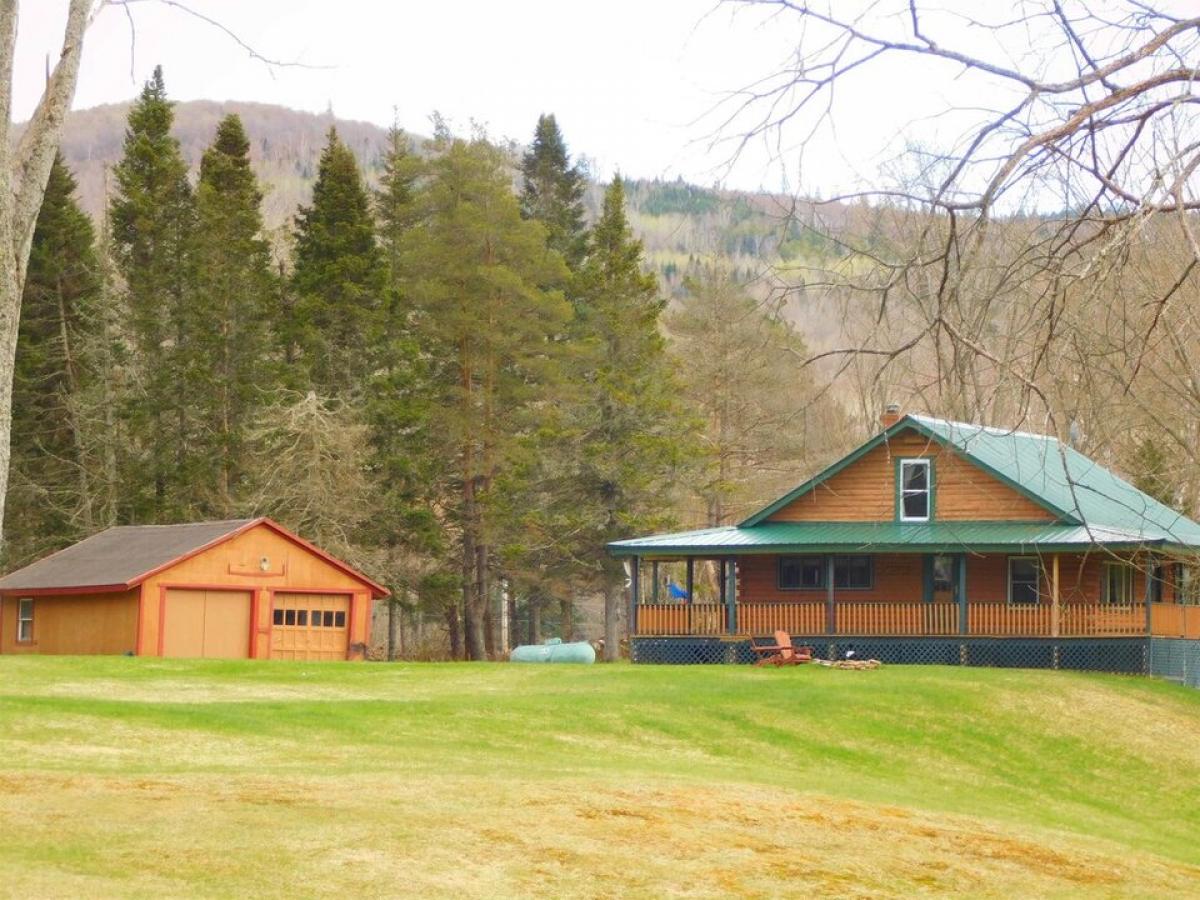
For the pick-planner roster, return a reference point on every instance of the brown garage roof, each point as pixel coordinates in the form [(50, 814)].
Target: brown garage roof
[(119, 555), (122, 556)]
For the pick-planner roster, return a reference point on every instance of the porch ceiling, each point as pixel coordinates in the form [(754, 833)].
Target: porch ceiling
[(895, 537)]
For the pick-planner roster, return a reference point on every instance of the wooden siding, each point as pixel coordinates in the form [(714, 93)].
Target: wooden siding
[(74, 623), (235, 564), (898, 576), (865, 491)]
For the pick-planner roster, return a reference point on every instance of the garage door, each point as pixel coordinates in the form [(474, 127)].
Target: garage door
[(310, 626), (213, 624)]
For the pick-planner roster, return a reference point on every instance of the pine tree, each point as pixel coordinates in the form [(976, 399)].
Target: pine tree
[(338, 279), (152, 220), (52, 499), (633, 433), (552, 191), (396, 403), (488, 328), (228, 354), (395, 200)]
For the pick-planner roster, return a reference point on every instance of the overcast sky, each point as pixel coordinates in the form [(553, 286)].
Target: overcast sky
[(631, 81)]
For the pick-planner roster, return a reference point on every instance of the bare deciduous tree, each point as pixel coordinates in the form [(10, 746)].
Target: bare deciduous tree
[(1043, 262), (24, 170)]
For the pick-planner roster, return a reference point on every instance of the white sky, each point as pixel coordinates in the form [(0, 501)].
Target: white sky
[(630, 82)]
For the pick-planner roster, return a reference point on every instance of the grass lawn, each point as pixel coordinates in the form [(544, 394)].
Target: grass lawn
[(149, 777)]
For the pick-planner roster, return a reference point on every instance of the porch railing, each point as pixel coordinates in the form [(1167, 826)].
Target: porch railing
[(886, 618), (1174, 620)]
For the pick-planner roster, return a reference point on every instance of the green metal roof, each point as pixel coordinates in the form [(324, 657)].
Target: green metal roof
[(901, 537), (1092, 505)]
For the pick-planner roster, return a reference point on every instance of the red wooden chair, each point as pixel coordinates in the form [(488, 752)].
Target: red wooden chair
[(782, 653)]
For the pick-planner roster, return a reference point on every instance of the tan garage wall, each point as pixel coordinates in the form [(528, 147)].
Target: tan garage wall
[(74, 623), (264, 563)]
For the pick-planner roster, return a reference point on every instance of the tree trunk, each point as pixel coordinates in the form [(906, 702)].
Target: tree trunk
[(393, 644), (454, 631), (568, 623), (612, 623), (489, 608), (24, 170), (535, 618), (512, 623)]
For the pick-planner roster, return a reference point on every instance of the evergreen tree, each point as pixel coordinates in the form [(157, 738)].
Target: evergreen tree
[(487, 327), (228, 354), (552, 191), (632, 430), (395, 200), (152, 220), (52, 500), (338, 279), (396, 409)]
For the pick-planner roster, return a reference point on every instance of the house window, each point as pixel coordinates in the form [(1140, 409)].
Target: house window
[(1116, 584), (914, 490), (1158, 578), (943, 575), (277, 617), (801, 573), (25, 620), (807, 573), (1024, 580), (1188, 585), (852, 572)]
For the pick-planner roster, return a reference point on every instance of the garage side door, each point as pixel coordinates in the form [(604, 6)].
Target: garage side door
[(310, 626), (210, 624)]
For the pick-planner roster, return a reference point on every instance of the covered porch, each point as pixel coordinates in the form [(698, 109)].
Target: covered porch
[(1069, 593)]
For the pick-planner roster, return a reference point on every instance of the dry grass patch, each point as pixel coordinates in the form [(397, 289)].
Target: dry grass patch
[(152, 778)]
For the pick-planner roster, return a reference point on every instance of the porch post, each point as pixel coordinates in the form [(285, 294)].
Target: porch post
[(1147, 592), (731, 595), (1055, 609), (635, 591), (691, 578), (830, 614), (960, 585), (654, 575)]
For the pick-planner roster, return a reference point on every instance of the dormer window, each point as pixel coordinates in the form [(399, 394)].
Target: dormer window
[(914, 490)]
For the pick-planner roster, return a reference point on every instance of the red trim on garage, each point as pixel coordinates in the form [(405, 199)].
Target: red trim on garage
[(76, 589)]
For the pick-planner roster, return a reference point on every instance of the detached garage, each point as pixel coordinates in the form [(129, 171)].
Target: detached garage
[(238, 589)]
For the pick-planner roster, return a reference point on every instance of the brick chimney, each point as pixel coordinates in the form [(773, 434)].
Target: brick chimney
[(891, 415)]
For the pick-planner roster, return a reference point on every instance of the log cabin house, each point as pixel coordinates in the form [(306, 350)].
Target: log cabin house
[(934, 541), (236, 589)]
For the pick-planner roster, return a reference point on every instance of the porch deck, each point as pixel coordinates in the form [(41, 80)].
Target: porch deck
[(884, 618)]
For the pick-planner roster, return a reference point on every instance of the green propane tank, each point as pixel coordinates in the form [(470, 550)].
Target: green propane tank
[(554, 651)]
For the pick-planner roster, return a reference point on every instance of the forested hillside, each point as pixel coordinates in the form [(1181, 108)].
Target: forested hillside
[(458, 363)]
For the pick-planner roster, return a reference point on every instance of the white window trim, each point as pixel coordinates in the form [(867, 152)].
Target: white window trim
[(1037, 564), (23, 620), (1127, 571), (928, 490)]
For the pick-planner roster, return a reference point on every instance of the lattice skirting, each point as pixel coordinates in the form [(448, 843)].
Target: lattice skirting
[(1176, 659), (1124, 655)]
